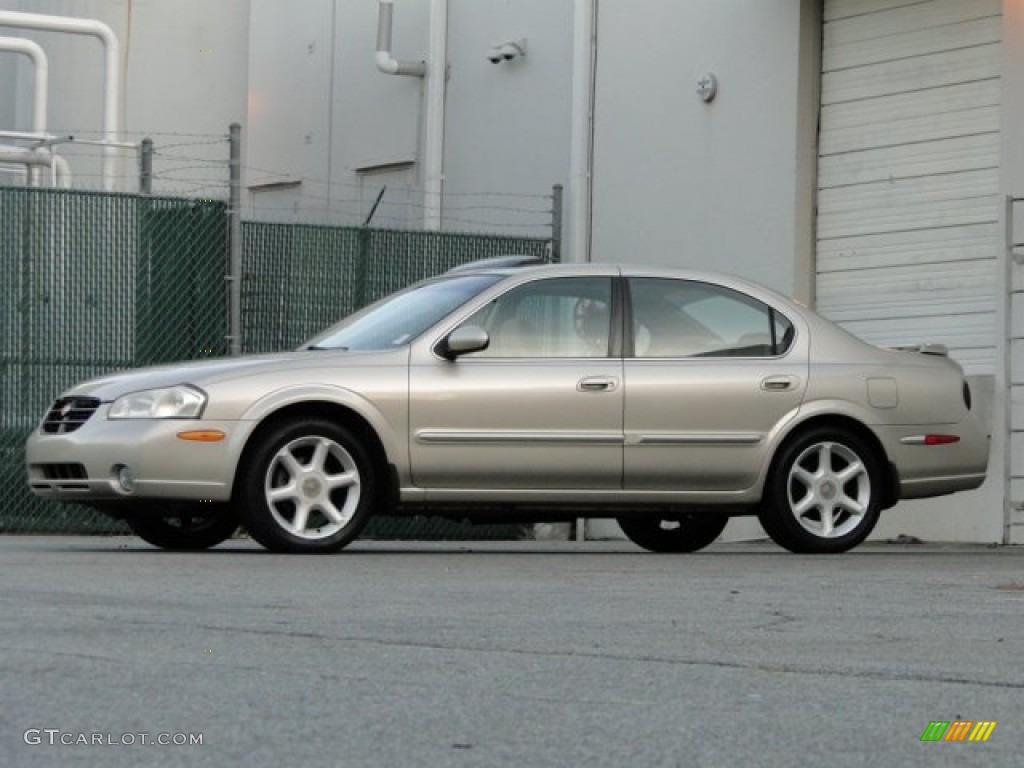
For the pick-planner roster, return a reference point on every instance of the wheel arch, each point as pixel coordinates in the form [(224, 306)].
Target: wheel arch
[(331, 410), (841, 422)]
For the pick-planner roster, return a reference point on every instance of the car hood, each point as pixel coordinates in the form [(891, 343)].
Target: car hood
[(203, 373)]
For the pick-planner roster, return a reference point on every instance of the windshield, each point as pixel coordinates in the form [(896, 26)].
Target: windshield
[(401, 317)]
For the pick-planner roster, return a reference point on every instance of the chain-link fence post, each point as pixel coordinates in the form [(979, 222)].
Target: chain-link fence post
[(146, 167), (556, 223), (235, 241), (362, 287)]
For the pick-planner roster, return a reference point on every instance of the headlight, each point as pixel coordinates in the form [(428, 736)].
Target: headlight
[(178, 402)]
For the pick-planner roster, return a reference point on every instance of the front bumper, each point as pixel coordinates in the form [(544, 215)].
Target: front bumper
[(83, 465)]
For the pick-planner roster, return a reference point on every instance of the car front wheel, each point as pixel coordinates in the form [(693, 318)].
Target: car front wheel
[(685, 532), (824, 493), (186, 526), (308, 487)]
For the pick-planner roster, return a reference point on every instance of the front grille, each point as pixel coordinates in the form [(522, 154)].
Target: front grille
[(63, 471), (68, 414)]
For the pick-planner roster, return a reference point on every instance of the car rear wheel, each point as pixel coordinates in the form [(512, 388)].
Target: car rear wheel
[(824, 494), (309, 486), (686, 532), (187, 526)]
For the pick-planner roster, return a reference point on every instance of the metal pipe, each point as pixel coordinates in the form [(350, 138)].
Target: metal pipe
[(35, 52), (30, 136), (24, 155), (21, 173), (48, 139), (1004, 376), (556, 223), (235, 239), (38, 157), (581, 149), (146, 167), (386, 63), (433, 132), (61, 172), (112, 78)]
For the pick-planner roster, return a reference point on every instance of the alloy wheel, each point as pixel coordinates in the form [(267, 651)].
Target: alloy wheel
[(312, 487), (828, 490)]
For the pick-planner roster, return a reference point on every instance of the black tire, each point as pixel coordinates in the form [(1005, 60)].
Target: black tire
[(291, 493), (824, 492), (187, 526), (683, 532)]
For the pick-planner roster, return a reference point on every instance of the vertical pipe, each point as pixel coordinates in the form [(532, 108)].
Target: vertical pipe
[(235, 240), (39, 105), (385, 62), (434, 98), (42, 68), (111, 64), (111, 101), (581, 153), (146, 167), (1007, 371), (556, 223)]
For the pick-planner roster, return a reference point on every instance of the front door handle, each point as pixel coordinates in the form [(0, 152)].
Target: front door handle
[(597, 384), (778, 383)]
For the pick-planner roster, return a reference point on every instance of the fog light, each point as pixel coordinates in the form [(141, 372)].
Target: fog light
[(126, 478)]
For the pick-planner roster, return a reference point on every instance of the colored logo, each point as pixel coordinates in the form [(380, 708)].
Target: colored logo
[(958, 730)]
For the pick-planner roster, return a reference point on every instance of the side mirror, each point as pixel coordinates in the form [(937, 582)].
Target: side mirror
[(463, 340)]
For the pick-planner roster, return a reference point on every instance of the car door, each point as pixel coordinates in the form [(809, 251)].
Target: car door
[(711, 373), (539, 408)]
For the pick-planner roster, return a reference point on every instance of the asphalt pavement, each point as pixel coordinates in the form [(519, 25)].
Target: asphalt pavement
[(506, 654)]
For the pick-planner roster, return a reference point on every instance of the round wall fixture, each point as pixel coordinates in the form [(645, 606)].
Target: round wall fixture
[(707, 87)]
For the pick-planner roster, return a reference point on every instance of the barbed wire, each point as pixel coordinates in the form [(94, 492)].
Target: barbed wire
[(173, 156), (161, 151), (180, 168), (165, 147), (347, 206), (223, 136), (305, 204)]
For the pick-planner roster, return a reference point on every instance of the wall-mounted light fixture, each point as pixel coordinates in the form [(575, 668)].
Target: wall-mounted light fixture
[(707, 87)]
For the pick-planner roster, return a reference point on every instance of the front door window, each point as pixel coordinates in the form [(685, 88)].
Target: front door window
[(555, 318)]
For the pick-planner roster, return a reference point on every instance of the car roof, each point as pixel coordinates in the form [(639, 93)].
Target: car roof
[(498, 264), (527, 266)]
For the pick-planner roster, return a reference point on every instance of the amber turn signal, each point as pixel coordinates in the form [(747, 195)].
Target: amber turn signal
[(203, 435)]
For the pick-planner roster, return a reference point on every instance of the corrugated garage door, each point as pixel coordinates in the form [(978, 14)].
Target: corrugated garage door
[(908, 173)]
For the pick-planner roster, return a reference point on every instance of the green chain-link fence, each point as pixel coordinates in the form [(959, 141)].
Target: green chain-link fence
[(96, 282), (298, 279), (92, 283)]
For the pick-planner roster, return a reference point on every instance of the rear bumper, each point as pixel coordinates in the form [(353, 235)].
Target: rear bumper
[(937, 470), (939, 486)]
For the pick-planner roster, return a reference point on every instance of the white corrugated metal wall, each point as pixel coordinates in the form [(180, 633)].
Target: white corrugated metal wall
[(908, 233)]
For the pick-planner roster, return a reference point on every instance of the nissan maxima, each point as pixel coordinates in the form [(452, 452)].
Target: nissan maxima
[(668, 400)]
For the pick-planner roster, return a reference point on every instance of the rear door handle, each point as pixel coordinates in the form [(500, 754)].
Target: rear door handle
[(597, 384), (778, 383)]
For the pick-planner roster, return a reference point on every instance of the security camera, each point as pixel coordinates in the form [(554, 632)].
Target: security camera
[(513, 49)]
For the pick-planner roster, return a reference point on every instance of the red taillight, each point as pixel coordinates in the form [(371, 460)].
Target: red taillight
[(941, 439)]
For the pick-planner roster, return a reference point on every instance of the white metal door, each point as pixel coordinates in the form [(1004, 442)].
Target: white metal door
[(908, 235)]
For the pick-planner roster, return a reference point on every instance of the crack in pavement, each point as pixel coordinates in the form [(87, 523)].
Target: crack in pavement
[(610, 656)]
